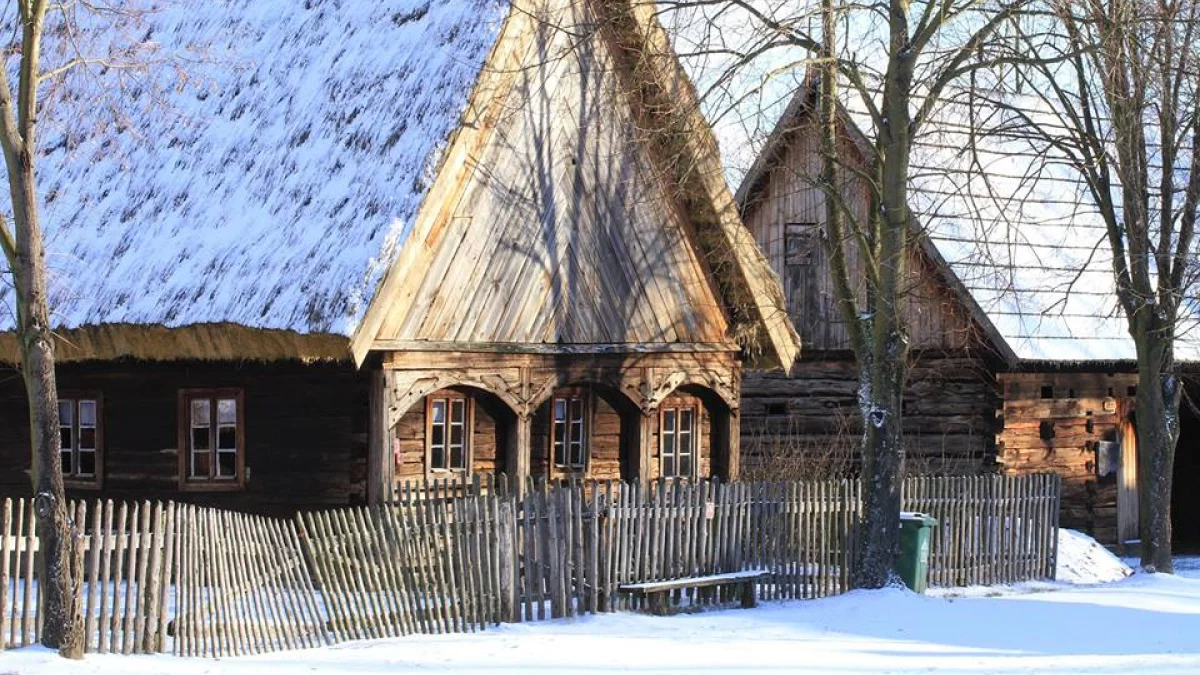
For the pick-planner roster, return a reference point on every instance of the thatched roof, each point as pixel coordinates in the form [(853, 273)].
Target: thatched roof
[(275, 186), (270, 189)]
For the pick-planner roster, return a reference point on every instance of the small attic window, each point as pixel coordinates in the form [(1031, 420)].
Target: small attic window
[(1070, 393), (777, 409), (800, 243), (1110, 392), (1131, 390), (1047, 391)]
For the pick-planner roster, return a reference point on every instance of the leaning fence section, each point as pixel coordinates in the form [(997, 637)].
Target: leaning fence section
[(459, 557), (242, 586)]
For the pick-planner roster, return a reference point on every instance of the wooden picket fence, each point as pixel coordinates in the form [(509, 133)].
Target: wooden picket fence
[(991, 529), (125, 557), (448, 558), (242, 586)]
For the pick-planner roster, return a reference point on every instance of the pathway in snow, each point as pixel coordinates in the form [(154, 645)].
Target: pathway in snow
[(1141, 624), (1144, 624)]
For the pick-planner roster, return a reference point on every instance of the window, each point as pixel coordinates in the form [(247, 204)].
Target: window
[(801, 248), (448, 432), (79, 432), (568, 435), (677, 441), (212, 438)]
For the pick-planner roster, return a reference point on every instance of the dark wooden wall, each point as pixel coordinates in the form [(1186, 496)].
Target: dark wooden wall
[(813, 416), (306, 431)]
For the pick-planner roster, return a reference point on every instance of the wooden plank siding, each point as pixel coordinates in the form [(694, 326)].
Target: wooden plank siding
[(565, 232), (935, 316), (305, 426)]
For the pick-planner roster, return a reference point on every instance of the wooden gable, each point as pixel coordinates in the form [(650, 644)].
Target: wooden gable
[(558, 228), (785, 211)]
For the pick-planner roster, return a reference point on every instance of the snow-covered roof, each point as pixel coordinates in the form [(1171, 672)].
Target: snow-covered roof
[(1017, 230), (271, 188)]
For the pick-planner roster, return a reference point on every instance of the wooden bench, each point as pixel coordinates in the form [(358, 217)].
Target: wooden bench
[(656, 591)]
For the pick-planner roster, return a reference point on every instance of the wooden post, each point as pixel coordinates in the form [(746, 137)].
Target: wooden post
[(749, 600), (381, 467), (520, 451), (733, 447), (645, 446)]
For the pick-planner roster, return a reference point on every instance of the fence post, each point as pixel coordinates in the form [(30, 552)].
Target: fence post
[(506, 539)]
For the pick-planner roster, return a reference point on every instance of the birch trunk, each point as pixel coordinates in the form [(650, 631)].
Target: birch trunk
[(23, 247)]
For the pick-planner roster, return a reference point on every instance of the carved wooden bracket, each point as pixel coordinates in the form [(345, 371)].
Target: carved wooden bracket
[(405, 389)]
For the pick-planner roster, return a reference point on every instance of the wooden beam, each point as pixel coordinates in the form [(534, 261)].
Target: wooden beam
[(567, 349), (380, 466), (520, 451)]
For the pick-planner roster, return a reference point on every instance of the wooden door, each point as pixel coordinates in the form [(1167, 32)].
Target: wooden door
[(1127, 484)]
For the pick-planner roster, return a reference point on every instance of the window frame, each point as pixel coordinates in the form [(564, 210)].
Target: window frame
[(187, 483), (96, 481), (468, 433), (585, 430), (694, 434)]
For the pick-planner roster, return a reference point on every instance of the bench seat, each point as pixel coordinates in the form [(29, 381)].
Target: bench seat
[(656, 591)]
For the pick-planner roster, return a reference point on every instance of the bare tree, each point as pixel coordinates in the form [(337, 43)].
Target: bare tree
[(1108, 90), (23, 248), (899, 60), (67, 34)]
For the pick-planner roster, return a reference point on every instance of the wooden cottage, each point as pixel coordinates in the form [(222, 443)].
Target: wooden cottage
[(812, 413), (462, 237), (1020, 359)]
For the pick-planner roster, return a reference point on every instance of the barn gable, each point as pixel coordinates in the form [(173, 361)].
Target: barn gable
[(784, 210)]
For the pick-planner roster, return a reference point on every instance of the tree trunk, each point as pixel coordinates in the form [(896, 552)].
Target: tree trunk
[(1158, 398), (62, 624), (878, 540), (883, 450)]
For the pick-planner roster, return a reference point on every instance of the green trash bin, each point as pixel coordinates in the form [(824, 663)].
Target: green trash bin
[(913, 563)]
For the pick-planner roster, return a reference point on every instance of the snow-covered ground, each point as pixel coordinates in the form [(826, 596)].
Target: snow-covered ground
[(1140, 624)]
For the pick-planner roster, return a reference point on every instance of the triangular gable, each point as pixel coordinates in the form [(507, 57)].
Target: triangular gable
[(928, 262), (553, 221)]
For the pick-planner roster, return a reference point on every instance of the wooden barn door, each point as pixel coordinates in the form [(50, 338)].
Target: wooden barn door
[(1127, 484)]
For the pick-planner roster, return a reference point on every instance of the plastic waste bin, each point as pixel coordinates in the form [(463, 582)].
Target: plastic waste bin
[(913, 563)]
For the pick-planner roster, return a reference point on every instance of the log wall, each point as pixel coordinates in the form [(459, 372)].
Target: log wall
[(809, 424), (305, 426), (1052, 422)]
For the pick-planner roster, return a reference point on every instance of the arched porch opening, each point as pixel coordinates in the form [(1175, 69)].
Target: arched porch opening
[(451, 432), (693, 435), (588, 430)]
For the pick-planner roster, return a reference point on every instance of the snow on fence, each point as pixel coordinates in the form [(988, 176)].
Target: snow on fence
[(457, 557)]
